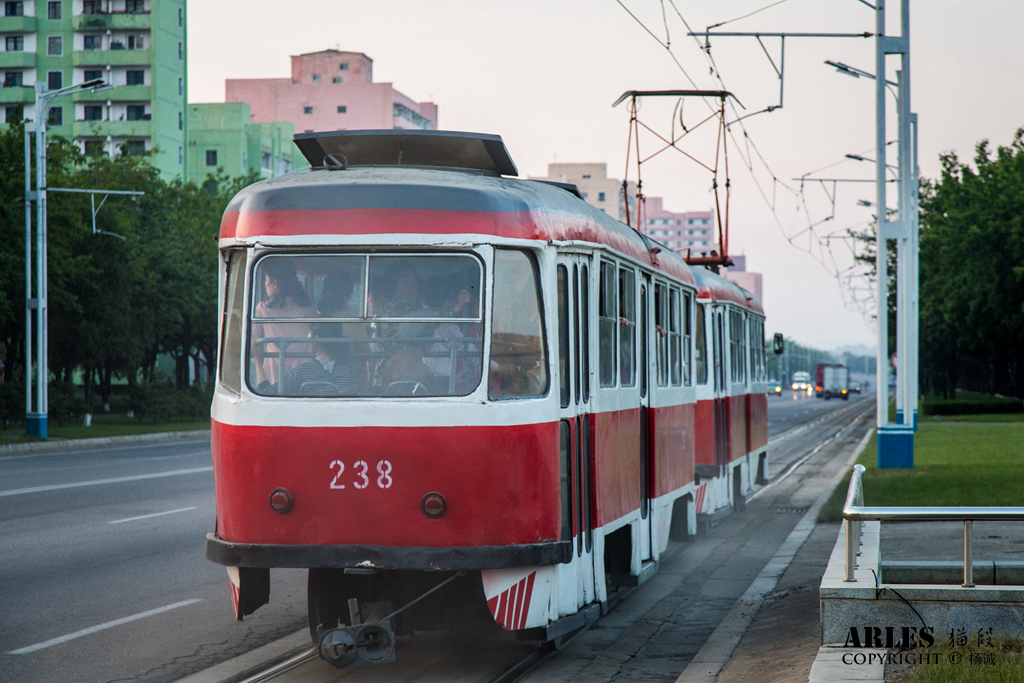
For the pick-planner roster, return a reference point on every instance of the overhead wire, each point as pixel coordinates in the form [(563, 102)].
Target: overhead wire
[(817, 248)]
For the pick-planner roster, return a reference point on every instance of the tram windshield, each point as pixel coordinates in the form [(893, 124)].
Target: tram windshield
[(366, 325)]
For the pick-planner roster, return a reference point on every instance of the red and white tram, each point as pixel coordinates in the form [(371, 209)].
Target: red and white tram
[(431, 371)]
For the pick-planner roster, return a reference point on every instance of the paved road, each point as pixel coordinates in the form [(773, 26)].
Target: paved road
[(93, 538), (102, 576)]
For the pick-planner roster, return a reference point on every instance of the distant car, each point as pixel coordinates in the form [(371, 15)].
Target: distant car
[(855, 388), (801, 380), (774, 387)]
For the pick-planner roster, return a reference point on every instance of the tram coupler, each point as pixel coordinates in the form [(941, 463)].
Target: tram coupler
[(359, 645)]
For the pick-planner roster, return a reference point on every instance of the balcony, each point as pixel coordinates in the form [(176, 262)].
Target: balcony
[(9, 60), (111, 57), (17, 24), (115, 129), (122, 93), (16, 95), (111, 22)]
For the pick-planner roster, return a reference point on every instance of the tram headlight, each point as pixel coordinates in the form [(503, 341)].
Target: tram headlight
[(282, 500)]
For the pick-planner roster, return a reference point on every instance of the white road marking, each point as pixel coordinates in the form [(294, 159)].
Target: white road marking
[(100, 482), (102, 627), (155, 514)]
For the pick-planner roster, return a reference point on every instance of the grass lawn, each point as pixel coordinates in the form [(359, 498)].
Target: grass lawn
[(103, 426), (1002, 662), (954, 464)]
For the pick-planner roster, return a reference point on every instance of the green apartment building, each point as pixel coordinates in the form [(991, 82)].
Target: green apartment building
[(137, 45), (222, 136)]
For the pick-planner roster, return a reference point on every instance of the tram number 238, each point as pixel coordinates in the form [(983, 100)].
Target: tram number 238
[(362, 475)]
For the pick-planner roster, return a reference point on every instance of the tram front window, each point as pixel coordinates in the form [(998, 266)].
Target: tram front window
[(519, 366), (318, 328)]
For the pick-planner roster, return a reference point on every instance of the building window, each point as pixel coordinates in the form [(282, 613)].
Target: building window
[(600, 196), (181, 16), (211, 157), (181, 86), (137, 42), (94, 148), (181, 156), (12, 114), (136, 112), (56, 117), (266, 163), (307, 110), (136, 77), (316, 78), (15, 43), (342, 109), (93, 112), (14, 9), (54, 10), (55, 46), (134, 147), (13, 79), (181, 51), (343, 67), (181, 120), (92, 7), (93, 75), (134, 6), (92, 42), (54, 80), (336, 79)]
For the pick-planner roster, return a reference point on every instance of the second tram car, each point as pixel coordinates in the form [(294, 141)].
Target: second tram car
[(438, 379)]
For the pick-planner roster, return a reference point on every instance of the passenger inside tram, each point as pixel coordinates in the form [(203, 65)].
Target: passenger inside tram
[(283, 297), (332, 371)]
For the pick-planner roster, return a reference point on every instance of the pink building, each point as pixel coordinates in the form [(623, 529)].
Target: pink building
[(331, 90), (691, 230)]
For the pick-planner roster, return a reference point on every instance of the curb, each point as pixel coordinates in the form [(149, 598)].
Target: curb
[(99, 442)]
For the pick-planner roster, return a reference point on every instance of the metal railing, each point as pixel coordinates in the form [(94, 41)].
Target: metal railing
[(854, 513)]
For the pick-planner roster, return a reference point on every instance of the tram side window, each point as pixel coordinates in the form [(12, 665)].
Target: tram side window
[(737, 347), (518, 362), (585, 315), (563, 335), (231, 326), (756, 344), (318, 328), (661, 327), (687, 334), (608, 323), (675, 337), (700, 351), (627, 327)]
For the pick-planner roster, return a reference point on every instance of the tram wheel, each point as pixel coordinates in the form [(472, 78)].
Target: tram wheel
[(325, 604)]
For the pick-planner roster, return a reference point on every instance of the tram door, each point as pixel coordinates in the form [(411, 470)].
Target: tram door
[(646, 447), (721, 387), (574, 365)]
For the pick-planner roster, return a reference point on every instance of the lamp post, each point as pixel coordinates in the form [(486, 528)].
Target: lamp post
[(36, 420)]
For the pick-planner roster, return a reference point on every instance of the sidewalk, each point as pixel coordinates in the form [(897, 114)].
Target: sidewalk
[(83, 444)]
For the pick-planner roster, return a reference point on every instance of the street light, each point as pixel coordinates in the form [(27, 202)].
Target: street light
[(35, 421)]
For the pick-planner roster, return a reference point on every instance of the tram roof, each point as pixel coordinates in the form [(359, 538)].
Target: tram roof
[(404, 199), (718, 289)]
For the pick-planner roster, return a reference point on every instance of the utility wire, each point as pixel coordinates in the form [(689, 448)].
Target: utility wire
[(816, 247), (729, 21)]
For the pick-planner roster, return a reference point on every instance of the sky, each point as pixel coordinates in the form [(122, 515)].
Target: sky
[(544, 74)]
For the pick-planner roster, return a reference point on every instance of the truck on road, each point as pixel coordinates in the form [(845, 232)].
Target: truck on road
[(832, 381)]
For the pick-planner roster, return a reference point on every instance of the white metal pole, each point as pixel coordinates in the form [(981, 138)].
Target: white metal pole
[(28, 277), (41, 402), (901, 264), (881, 375), (908, 135)]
